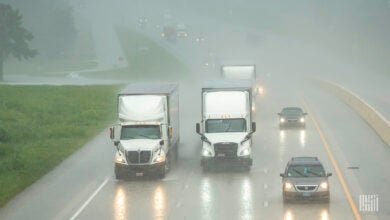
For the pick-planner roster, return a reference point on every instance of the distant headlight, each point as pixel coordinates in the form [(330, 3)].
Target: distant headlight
[(282, 120), (302, 120)]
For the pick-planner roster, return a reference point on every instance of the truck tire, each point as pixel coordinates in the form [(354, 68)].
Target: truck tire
[(205, 168), (118, 175)]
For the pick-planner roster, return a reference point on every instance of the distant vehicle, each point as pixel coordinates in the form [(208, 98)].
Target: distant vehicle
[(226, 128), (305, 178), (242, 72), (200, 39), (181, 31), (147, 135), (142, 21), (169, 32), (292, 117)]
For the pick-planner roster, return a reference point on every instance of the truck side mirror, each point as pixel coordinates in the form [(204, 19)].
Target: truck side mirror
[(305, 113), (253, 126), (115, 133), (279, 113), (329, 174), (170, 131), (197, 128), (282, 174), (111, 133), (161, 142)]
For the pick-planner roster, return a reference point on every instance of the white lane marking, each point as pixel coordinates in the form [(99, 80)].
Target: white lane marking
[(265, 203), (265, 186), (89, 199)]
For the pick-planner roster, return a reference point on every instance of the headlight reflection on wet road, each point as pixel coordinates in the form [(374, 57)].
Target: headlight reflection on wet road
[(120, 204), (205, 195), (302, 138), (246, 200), (159, 203)]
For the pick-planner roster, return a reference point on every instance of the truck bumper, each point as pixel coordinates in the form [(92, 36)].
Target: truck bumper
[(236, 161), (139, 170)]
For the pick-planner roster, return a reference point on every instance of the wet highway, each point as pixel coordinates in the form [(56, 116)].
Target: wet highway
[(84, 185)]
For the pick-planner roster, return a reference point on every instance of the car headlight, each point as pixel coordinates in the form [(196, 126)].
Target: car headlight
[(206, 152), (324, 186), (288, 186), (282, 120), (119, 158), (245, 152), (302, 120)]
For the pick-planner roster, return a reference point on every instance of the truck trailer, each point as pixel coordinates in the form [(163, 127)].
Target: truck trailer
[(147, 133), (226, 127), (242, 72)]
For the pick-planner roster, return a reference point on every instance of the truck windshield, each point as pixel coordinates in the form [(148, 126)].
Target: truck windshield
[(141, 132), (225, 125)]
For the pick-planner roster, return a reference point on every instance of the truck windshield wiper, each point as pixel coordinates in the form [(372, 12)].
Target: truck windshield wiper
[(228, 128)]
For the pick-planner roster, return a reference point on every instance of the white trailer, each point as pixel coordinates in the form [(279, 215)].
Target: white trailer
[(226, 128), (242, 72), (147, 134)]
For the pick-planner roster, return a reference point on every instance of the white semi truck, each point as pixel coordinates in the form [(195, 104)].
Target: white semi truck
[(147, 134), (242, 72), (226, 128)]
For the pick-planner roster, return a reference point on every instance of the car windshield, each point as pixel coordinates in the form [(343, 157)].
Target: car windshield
[(306, 171), (292, 111), (140, 132), (225, 125)]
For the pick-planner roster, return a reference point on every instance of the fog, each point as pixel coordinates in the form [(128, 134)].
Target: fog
[(290, 42)]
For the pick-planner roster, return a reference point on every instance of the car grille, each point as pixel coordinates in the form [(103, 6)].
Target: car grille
[(306, 188), (136, 157), (228, 150), (292, 120)]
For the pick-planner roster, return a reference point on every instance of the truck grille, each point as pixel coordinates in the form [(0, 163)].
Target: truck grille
[(306, 188), (136, 157), (227, 150)]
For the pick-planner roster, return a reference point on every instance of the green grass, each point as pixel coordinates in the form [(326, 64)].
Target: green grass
[(147, 60), (41, 125)]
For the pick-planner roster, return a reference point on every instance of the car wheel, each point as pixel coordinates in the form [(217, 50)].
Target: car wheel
[(162, 173), (285, 200)]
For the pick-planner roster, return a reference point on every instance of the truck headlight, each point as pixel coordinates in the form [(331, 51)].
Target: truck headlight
[(302, 120), (206, 152), (160, 158), (245, 152), (119, 158), (282, 120)]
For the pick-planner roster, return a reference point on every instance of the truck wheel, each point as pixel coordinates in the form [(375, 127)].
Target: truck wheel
[(162, 173), (285, 200), (246, 168), (117, 173), (205, 168), (176, 152)]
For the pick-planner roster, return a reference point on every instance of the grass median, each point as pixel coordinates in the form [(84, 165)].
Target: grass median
[(147, 60), (42, 125)]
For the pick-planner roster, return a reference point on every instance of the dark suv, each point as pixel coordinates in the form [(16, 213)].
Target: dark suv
[(305, 178), (292, 117)]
